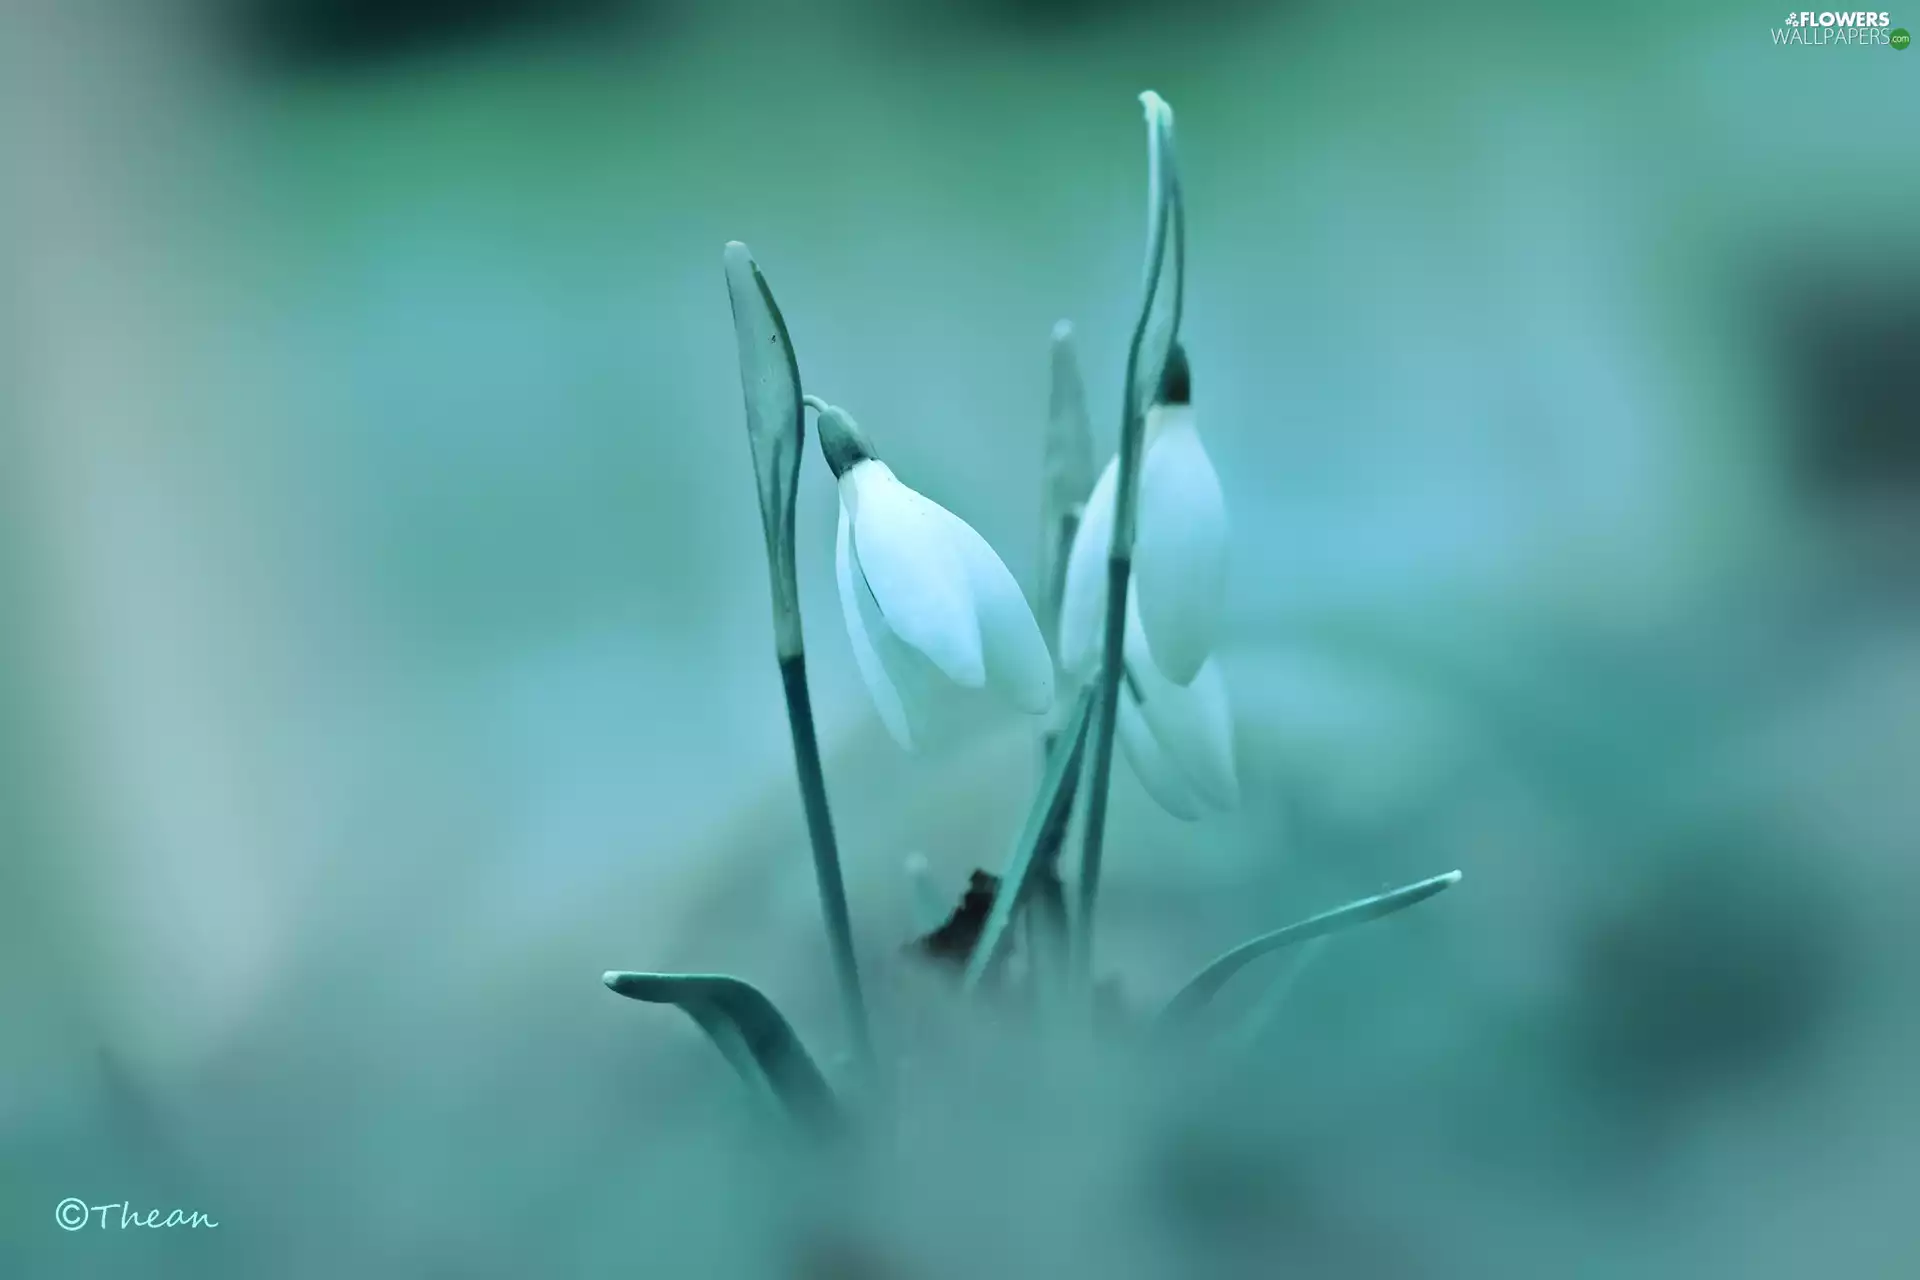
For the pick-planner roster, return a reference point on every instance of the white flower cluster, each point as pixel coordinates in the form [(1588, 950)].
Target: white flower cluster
[(936, 619)]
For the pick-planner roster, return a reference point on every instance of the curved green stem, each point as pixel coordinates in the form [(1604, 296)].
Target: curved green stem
[(1120, 553)]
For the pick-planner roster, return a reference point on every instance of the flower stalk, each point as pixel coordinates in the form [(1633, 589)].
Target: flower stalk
[(1162, 209)]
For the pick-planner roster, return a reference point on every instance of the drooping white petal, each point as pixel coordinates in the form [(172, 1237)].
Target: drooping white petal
[(923, 710), (1083, 597), (1191, 723), (904, 546), (856, 603), (1179, 553), (1019, 666), (1157, 773), (938, 714)]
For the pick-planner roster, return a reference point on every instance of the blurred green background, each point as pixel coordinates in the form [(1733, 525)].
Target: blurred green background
[(385, 650)]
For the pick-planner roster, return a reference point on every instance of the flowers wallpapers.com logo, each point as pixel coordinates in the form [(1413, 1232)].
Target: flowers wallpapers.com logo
[(1857, 28)]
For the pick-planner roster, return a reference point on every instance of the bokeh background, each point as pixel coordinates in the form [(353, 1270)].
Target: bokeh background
[(385, 650)]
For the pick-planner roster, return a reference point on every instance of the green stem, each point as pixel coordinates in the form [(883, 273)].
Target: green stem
[(1100, 769), (1120, 552), (1049, 927), (1047, 817), (826, 860)]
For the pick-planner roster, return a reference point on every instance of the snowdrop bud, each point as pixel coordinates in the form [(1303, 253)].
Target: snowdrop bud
[(841, 440), (935, 619)]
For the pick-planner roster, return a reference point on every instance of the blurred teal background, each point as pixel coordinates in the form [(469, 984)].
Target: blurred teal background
[(385, 649)]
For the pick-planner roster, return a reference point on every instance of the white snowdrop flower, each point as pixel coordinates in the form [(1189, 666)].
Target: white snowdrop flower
[(1180, 546), (1178, 739), (935, 618)]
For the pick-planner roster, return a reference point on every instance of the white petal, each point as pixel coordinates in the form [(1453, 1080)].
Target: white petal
[(1083, 598), (1180, 552), (855, 603), (1158, 774), (1019, 667), (903, 543), (923, 710), (1192, 723)]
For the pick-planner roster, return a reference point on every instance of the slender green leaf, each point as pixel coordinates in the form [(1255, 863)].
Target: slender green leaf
[(1207, 983), (749, 1031), (776, 428), (1047, 930), (1046, 819), (1067, 474), (1069, 450), (1257, 1025), (1067, 477), (1162, 192)]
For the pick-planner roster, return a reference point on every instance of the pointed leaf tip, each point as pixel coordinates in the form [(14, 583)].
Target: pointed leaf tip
[(1203, 986), (770, 388), (650, 988), (749, 1031), (1068, 454)]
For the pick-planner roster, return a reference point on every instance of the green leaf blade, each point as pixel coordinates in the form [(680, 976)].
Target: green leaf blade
[(1045, 825), (1067, 460), (1206, 984), (1162, 193), (749, 1031), (776, 426)]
